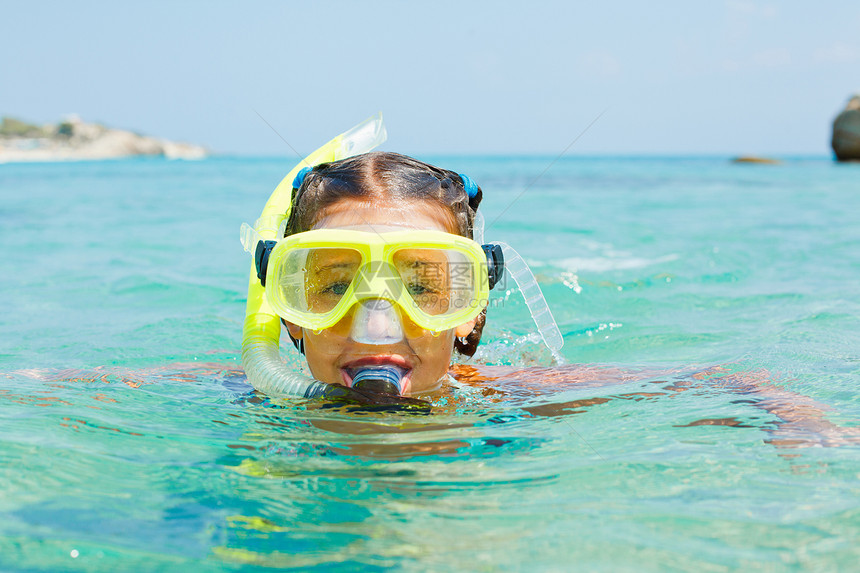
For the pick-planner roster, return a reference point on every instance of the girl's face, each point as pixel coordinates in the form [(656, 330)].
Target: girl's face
[(331, 355)]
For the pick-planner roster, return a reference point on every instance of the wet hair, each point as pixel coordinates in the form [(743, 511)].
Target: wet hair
[(388, 177)]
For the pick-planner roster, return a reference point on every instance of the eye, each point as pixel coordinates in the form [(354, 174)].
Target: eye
[(337, 289), (418, 289)]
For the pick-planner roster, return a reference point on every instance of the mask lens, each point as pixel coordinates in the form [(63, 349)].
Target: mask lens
[(315, 280), (439, 281), (328, 274)]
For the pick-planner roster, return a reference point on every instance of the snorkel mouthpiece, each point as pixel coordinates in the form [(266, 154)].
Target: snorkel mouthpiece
[(379, 379)]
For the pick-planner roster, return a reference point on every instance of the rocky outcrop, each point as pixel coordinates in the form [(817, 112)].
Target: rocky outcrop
[(73, 139), (846, 132)]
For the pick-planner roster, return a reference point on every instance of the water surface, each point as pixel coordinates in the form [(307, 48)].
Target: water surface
[(706, 419)]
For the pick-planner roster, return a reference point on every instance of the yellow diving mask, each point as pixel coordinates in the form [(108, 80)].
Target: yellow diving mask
[(439, 280)]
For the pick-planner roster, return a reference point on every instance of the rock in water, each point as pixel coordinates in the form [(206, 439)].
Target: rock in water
[(846, 132), (756, 160)]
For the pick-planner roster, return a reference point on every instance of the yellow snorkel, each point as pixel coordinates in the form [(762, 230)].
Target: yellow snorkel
[(261, 359)]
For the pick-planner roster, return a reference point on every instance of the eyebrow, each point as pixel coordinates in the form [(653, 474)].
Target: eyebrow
[(420, 258), (330, 266), (419, 263)]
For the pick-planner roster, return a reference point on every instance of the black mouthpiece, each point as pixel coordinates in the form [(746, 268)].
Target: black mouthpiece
[(379, 379)]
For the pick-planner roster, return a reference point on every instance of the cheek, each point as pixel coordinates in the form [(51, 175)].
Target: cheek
[(320, 353), (435, 353)]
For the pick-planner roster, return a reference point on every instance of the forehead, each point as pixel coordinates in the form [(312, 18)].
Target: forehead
[(411, 215)]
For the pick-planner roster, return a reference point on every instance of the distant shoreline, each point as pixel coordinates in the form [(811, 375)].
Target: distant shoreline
[(75, 140)]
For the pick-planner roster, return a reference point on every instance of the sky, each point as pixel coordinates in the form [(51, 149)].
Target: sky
[(649, 78)]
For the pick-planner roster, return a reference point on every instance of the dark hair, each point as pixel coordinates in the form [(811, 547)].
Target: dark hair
[(388, 176)]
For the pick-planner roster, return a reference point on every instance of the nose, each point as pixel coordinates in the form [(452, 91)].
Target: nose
[(376, 321)]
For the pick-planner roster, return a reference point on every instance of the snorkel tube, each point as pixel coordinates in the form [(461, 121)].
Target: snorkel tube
[(261, 359)]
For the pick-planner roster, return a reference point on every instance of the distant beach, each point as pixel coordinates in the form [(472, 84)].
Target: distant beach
[(73, 140)]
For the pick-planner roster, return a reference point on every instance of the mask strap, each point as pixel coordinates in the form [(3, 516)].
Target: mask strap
[(495, 263), (478, 228), (522, 275)]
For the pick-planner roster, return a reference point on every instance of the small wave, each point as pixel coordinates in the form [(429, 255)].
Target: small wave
[(603, 264)]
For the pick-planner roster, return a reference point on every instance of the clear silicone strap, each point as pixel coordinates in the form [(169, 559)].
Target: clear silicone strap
[(249, 238), (522, 275), (478, 228)]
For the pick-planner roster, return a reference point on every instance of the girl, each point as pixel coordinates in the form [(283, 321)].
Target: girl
[(388, 197), (374, 273)]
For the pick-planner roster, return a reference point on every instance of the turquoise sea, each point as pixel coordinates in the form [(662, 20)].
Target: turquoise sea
[(707, 417)]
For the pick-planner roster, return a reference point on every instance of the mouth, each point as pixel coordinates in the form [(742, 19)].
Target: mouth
[(350, 369)]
